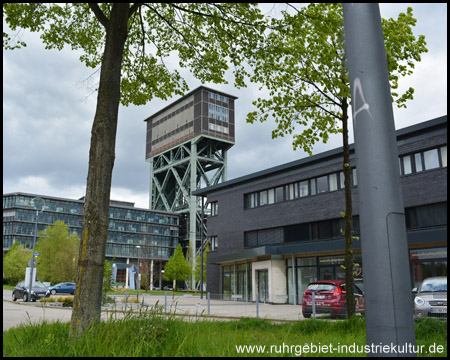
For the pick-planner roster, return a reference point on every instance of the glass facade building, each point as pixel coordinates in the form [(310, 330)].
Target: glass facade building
[(155, 232)]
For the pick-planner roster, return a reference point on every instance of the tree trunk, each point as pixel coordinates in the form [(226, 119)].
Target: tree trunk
[(348, 226), (88, 295)]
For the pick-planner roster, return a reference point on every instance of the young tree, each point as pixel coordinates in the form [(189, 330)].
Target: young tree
[(15, 263), (58, 253), (177, 268), (303, 65), (130, 43)]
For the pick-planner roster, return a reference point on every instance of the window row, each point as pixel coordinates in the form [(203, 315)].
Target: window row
[(418, 217), (318, 230), (218, 112), (116, 250), (424, 160), (215, 96), (318, 185), (219, 128), (425, 216), (33, 203), (141, 239), (144, 216)]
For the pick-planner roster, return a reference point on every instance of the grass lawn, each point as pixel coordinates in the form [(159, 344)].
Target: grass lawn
[(148, 334)]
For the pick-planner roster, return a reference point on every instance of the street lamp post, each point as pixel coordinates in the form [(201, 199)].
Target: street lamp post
[(30, 287)]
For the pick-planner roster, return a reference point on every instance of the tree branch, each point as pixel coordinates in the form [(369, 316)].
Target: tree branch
[(99, 14)]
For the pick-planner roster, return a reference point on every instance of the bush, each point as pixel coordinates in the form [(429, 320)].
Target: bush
[(67, 301)]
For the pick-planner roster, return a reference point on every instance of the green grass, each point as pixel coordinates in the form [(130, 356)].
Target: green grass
[(148, 334)]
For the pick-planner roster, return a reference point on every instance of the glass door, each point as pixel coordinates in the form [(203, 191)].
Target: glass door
[(262, 278)]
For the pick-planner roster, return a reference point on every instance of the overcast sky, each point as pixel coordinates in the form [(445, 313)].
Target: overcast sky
[(48, 111)]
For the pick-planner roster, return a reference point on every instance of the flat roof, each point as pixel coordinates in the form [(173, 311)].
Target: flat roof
[(112, 203), (401, 133)]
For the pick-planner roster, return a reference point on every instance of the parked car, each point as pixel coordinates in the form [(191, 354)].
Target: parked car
[(330, 298), (21, 291), (431, 298), (61, 288), (169, 288)]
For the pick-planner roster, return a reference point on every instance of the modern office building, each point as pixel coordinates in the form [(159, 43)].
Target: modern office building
[(187, 145), (274, 231), (134, 235)]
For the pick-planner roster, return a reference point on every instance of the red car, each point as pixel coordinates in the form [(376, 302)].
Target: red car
[(330, 298)]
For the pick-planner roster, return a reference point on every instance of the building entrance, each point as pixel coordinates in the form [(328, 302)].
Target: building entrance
[(262, 281)]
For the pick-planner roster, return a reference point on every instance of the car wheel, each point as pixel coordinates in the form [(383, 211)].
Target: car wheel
[(25, 297), (306, 315), (14, 296), (53, 292)]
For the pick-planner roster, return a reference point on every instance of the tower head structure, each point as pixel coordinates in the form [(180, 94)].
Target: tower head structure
[(187, 144)]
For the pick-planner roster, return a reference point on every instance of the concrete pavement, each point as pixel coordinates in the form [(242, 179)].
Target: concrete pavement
[(192, 307)]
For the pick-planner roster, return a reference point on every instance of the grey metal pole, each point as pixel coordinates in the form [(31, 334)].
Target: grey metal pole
[(165, 303), (201, 247), (387, 282), (30, 287), (257, 305), (313, 299)]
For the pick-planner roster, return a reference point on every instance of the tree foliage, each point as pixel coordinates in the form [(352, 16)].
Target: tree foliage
[(58, 254), (177, 268), (15, 263), (302, 65)]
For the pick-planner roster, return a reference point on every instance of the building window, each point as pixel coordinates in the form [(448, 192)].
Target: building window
[(333, 182), (271, 196), (218, 112), (303, 186), (279, 194), (354, 177), (213, 243), (418, 162), (431, 159), (214, 208), (407, 167), (322, 184), (263, 198), (444, 156)]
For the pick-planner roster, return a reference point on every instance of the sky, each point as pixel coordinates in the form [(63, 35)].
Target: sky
[(49, 106)]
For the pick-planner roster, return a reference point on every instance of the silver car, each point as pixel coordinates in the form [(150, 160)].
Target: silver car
[(431, 298)]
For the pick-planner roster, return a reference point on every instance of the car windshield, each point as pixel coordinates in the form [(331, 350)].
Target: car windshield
[(38, 284), (433, 285), (321, 287)]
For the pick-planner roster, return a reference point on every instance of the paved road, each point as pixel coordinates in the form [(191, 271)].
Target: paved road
[(15, 313)]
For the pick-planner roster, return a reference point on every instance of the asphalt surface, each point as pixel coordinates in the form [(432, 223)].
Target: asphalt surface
[(188, 306)]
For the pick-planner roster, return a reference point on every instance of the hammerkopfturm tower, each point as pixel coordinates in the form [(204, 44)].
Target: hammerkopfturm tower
[(187, 144)]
